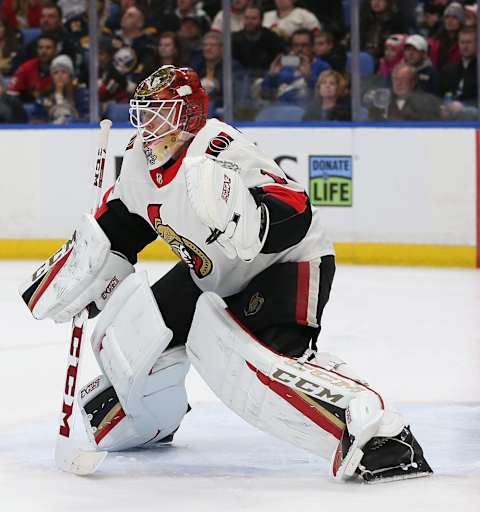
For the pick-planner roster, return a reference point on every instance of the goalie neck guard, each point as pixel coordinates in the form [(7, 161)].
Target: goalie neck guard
[(171, 100)]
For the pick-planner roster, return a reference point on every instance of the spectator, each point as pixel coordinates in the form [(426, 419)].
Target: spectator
[(432, 20), (444, 45), (326, 50), (22, 13), (460, 80), (171, 22), (11, 108), (51, 25), (378, 20), (64, 103), (133, 34), (416, 56), (470, 16), (33, 77), (237, 17), (125, 62), (286, 19), (112, 85), (392, 55), (289, 75), (330, 102), (255, 46), (190, 37), (210, 71), (8, 46), (168, 52), (404, 102), (72, 8)]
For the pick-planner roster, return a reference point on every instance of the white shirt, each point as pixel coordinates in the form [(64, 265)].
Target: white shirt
[(286, 26)]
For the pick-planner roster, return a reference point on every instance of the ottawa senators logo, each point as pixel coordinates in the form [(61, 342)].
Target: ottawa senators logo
[(219, 143), (192, 255), (255, 305)]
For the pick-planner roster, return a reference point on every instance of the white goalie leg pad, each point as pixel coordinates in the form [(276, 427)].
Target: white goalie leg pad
[(85, 270), (300, 402), (128, 339), (110, 427)]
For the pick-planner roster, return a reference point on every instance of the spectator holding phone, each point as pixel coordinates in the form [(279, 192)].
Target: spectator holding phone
[(288, 78)]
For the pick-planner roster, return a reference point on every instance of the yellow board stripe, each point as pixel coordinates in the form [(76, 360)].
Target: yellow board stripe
[(364, 253)]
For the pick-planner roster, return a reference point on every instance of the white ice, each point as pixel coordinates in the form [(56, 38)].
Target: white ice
[(413, 333)]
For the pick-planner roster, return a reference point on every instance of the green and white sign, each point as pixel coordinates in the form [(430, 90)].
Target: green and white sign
[(330, 180)]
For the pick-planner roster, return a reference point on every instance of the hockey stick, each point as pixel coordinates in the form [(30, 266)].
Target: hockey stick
[(68, 456)]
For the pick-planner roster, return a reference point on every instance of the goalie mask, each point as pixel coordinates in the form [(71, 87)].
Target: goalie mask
[(171, 100)]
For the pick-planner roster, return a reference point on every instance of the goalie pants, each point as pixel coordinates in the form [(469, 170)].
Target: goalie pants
[(282, 306)]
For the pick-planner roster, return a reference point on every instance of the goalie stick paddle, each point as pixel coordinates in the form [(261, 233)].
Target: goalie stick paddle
[(68, 455)]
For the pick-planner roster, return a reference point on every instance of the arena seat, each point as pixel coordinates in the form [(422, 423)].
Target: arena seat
[(367, 63), (118, 112), (280, 112), (29, 34)]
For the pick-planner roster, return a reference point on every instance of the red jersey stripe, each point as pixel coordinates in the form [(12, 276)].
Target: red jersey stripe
[(303, 282), (297, 200)]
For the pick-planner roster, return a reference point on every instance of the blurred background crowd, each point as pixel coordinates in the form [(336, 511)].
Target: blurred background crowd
[(291, 59)]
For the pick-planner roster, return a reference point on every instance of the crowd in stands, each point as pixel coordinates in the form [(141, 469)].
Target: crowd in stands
[(290, 57)]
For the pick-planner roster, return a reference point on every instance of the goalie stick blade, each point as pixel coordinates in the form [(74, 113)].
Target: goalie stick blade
[(72, 459)]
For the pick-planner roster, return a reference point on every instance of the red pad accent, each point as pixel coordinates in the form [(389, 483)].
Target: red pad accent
[(296, 400), (103, 206), (303, 281), (47, 280), (297, 200), (115, 421)]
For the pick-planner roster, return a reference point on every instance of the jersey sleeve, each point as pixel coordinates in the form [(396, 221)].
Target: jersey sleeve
[(128, 232)]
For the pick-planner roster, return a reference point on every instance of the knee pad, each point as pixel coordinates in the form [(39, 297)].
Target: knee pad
[(299, 401), (143, 385)]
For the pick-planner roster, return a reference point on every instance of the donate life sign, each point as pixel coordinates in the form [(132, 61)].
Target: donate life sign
[(330, 180)]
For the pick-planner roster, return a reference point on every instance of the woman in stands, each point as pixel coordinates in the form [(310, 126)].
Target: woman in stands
[(8, 46), (168, 52), (330, 102), (65, 102)]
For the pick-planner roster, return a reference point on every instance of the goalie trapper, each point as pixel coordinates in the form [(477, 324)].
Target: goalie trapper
[(387, 459)]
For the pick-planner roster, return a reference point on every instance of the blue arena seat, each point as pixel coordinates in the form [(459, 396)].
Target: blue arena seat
[(367, 63), (30, 34), (118, 112), (280, 113)]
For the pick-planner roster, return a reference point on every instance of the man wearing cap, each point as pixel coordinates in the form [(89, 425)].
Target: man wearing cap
[(415, 54)]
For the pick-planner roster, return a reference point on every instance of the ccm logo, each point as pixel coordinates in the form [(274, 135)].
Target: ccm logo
[(110, 287)]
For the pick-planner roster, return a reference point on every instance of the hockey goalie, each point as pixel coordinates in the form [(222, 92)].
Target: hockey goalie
[(243, 305)]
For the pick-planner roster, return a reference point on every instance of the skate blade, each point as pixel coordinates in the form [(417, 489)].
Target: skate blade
[(397, 478)]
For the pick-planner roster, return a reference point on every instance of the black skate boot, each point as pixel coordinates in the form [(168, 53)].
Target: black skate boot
[(392, 458)]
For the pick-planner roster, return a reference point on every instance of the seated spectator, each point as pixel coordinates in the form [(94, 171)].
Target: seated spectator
[(330, 102), (326, 50), (126, 63), (210, 71), (168, 52), (470, 16), (22, 13), (51, 24), (444, 45), (33, 77), (404, 102), (378, 20), (133, 34), (415, 54), (170, 22), (64, 103), (11, 108), (8, 46), (255, 46), (286, 19), (112, 85), (459, 81), (432, 20), (392, 55), (288, 79), (237, 17), (190, 37)]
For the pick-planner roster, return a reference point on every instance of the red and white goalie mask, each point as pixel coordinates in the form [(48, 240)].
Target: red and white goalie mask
[(170, 100)]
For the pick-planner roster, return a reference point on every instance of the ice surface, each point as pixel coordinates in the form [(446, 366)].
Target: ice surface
[(413, 333)]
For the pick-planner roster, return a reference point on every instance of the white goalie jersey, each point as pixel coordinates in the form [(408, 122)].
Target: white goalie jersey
[(166, 198)]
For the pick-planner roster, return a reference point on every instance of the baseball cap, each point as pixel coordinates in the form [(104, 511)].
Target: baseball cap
[(418, 42)]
